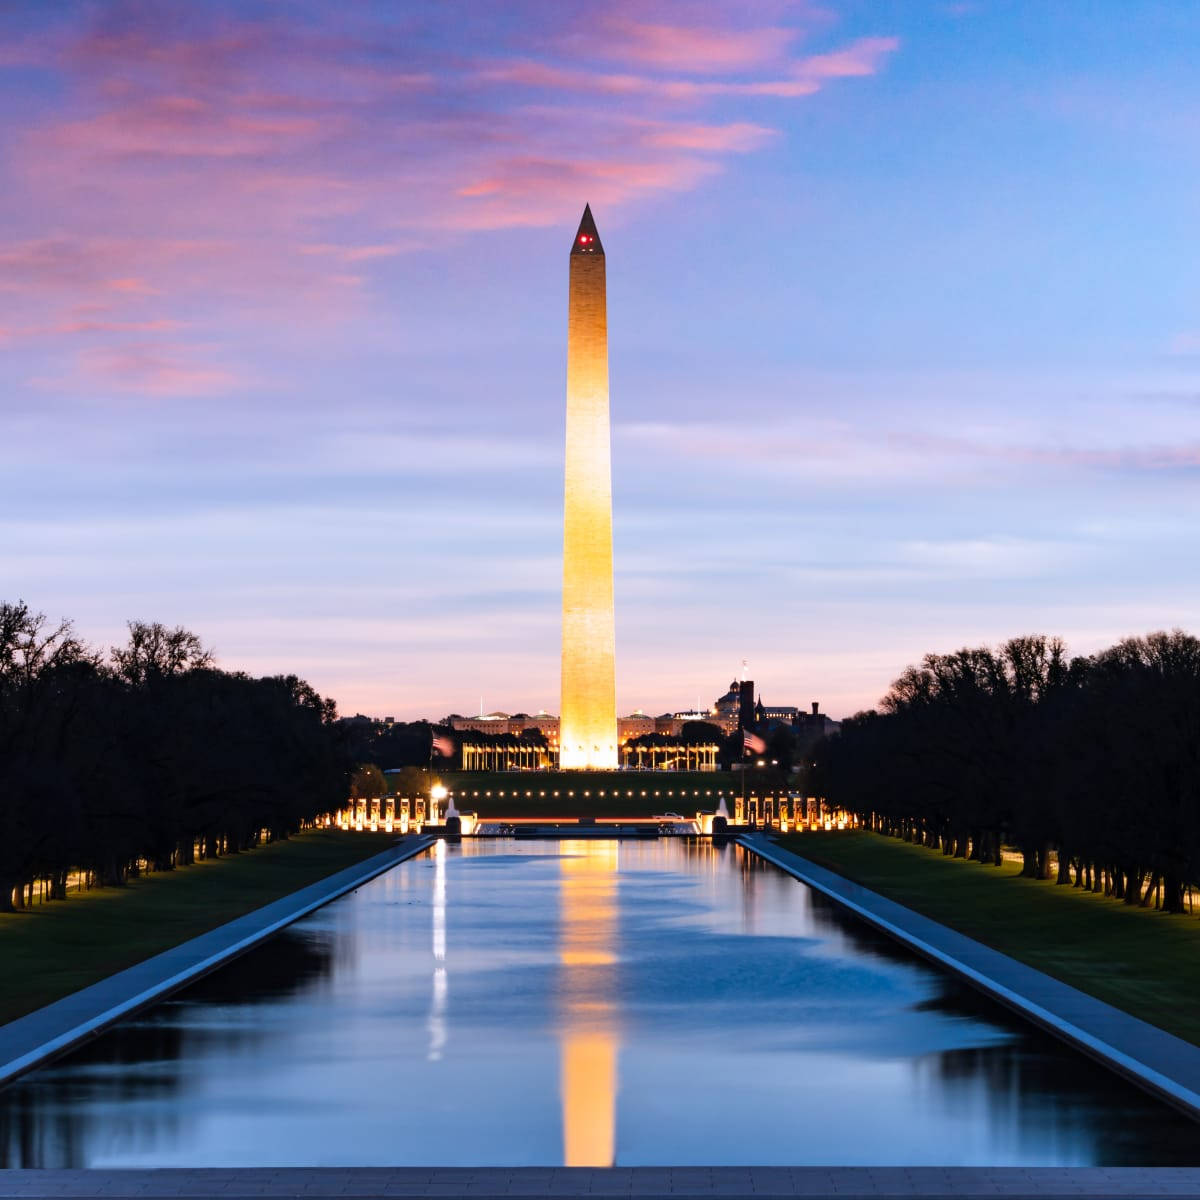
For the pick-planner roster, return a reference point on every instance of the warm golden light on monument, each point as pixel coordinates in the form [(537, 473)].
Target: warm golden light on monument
[(588, 722)]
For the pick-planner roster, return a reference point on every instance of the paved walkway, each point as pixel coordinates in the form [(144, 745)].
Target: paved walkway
[(674, 1182), (1159, 1061), (29, 1041)]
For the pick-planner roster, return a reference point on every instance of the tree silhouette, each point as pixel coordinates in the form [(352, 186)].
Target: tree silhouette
[(1096, 759), (110, 767)]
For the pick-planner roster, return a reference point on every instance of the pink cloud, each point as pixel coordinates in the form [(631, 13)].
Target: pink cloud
[(230, 166), (153, 369), (138, 286), (162, 325), (803, 77), (695, 49), (351, 254), (181, 127), (738, 138), (532, 192), (863, 57)]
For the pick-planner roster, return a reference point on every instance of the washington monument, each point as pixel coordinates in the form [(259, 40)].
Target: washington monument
[(588, 722)]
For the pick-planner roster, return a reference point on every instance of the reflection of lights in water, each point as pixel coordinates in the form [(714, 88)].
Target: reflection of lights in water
[(437, 1015), (589, 1041), (437, 1010), (439, 901)]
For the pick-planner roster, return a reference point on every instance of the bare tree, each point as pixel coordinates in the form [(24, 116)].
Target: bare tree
[(154, 651)]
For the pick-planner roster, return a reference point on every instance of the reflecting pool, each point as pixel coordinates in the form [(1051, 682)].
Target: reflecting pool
[(588, 1002)]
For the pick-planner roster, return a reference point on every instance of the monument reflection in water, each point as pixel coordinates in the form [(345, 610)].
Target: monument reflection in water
[(589, 1037), (585, 1003)]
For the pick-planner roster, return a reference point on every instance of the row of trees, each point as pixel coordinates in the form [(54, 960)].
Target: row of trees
[(148, 755), (1095, 760)]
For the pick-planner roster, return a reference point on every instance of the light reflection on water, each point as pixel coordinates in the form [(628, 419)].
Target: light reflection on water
[(582, 1003)]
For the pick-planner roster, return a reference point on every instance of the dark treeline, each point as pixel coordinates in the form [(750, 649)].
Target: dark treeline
[(148, 756), (389, 744), (1094, 760)]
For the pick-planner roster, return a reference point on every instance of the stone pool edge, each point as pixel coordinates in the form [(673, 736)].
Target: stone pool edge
[(1157, 1061), (644, 1183), (36, 1038)]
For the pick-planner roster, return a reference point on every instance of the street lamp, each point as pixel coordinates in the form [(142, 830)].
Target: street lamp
[(437, 794)]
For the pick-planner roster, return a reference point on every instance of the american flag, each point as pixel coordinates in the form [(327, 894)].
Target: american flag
[(752, 743), (442, 745)]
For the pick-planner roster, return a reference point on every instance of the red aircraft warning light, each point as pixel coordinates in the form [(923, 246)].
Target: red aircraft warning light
[(587, 240)]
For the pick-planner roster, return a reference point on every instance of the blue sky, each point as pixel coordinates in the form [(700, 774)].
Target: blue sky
[(904, 333)]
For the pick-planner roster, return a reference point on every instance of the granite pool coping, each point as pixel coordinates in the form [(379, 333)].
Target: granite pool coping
[(678, 1183), (44, 1034), (1159, 1061)]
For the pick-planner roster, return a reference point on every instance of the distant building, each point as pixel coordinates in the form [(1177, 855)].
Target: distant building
[(637, 724), (727, 708), (516, 723), (737, 708), (494, 722)]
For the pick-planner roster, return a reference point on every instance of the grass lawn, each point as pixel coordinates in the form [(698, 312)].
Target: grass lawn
[(54, 949), (1136, 959)]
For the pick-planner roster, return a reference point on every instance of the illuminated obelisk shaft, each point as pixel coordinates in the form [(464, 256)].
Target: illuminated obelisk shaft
[(588, 724)]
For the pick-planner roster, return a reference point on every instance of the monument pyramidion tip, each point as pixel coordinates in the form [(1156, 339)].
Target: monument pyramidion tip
[(587, 240)]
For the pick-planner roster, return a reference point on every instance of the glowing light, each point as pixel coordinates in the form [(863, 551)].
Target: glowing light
[(590, 1042)]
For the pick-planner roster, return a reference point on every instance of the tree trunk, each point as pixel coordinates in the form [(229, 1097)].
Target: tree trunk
[(1029, 863), (111, 874), (1172, 893), (1064, 867), (1043, 861), (1151, 889)]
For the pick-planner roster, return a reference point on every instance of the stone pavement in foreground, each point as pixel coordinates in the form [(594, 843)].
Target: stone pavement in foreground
[(675, 1182), (1159, 1061), (31, 1040)]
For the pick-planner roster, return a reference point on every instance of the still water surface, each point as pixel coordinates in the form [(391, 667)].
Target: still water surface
[(585, 1003)]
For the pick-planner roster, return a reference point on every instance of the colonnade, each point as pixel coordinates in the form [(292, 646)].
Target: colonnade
[(787, 813), (679, 757), (385, 814), (485, 756)]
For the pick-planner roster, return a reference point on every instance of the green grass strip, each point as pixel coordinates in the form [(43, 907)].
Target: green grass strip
[(1138, 960), (54, 949)]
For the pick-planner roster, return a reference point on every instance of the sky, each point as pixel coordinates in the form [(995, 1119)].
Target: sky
[(904, 332)]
